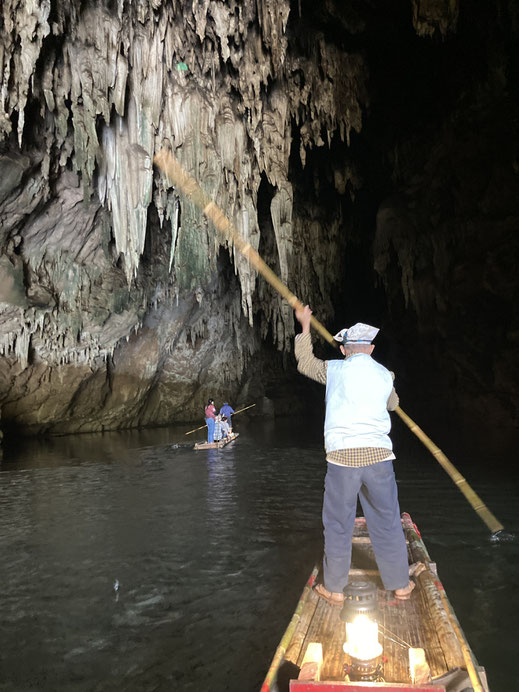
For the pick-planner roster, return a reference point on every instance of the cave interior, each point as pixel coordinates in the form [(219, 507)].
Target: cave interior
[(368, 151)]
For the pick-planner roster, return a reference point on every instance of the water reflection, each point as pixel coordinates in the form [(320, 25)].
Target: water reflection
[(210, 550), (88, 447)]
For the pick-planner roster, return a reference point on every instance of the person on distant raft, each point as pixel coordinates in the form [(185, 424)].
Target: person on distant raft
[(227, 411), (359, 454), (226, 431), (218, 430), (210, 415)]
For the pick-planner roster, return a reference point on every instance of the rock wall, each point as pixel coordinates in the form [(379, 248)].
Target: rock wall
[(344, 140), (113, 307), (446, 242)]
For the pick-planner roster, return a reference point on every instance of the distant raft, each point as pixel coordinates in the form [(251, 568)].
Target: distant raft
[(216, 445)]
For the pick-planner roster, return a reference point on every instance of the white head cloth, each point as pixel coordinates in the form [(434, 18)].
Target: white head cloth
[(358, 334)]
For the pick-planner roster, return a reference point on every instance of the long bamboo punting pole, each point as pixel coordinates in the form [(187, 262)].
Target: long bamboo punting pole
[(477, 685), (443, 616), (279, 656), (477, 503), (168, 163), (205, 426)]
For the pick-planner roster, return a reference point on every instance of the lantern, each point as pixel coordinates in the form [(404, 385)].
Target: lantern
[(359, 613)]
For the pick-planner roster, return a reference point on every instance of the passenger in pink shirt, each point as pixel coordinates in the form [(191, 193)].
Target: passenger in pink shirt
[(210, 414)]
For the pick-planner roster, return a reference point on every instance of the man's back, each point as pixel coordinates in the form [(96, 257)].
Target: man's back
[(357, 390), (226, 410)]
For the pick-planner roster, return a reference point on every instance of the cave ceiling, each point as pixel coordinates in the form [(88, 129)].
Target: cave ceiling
[(367, 150)]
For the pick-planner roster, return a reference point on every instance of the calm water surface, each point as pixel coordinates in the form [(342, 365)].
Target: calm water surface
[(131, 562)]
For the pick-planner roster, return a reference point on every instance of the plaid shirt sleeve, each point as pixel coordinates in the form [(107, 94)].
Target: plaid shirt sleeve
[(307, 363)]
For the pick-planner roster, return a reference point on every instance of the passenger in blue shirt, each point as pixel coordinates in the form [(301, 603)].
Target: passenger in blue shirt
[(226, 411), (218, 432), (226, 430)]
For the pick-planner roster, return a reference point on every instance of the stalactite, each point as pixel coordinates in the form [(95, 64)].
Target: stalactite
[(113, 84), (430, 16), (104, 56), (24, 28), (173, 216), (126, 179)]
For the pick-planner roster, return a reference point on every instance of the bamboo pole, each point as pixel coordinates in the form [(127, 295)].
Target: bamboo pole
[(279, 656), (168, 163), (477, 503), (466, 652), (234, 414), (445, 620)]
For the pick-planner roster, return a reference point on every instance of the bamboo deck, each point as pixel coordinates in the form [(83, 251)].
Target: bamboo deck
[(426, 621), (216, 445)]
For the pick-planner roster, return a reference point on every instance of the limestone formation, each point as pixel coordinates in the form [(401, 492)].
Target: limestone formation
[(435, 16), (112, 309), (325, 131)]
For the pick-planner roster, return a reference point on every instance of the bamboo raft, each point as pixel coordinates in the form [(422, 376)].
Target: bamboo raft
[(216, 445), (426, 621)]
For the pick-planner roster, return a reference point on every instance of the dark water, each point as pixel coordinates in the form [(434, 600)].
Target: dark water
[(131, 562)]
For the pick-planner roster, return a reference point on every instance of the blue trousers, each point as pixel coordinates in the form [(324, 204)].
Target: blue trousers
[(375, 486), (210, 429)]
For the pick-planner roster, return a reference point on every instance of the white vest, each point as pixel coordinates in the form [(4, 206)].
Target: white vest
[(357, 390)]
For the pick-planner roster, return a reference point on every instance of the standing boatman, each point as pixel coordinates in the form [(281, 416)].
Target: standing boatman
[(359, 454), (227, 411)]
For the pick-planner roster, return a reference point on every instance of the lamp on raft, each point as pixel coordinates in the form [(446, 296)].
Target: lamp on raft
[(359, 613)]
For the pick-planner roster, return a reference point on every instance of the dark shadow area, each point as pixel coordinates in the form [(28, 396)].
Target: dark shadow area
[(438, 144), (287, 671)]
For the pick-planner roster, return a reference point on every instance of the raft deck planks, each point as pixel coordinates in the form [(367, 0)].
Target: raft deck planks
[(421, 622), (216, 445)]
